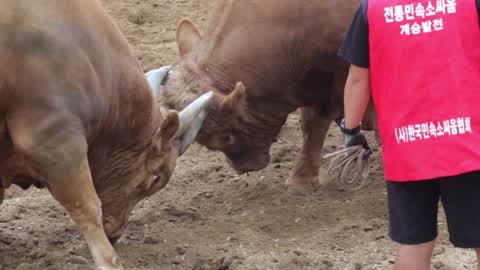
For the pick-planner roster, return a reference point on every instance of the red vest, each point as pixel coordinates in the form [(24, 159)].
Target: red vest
[(425, 77)]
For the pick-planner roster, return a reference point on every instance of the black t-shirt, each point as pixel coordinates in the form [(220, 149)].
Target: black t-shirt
[(355, 47)]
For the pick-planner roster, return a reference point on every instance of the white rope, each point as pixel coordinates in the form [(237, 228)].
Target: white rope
[(351, 166)]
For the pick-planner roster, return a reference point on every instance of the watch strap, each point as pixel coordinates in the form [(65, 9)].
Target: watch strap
[(348, 131)]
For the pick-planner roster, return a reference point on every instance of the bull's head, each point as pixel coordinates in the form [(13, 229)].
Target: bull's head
[(242, 131), (154, 164), (237, 124)]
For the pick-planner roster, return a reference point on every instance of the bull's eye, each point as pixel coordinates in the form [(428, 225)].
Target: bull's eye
[(155, 181), (229, 139)]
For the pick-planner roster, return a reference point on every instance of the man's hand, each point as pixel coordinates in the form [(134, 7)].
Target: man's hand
[(355, 137), (358, 139)]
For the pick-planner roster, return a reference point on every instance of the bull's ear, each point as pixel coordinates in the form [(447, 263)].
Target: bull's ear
[(169, 127), (236, 100), (187, 36)]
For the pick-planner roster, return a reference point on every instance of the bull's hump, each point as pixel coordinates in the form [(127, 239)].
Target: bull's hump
[(26, 30)]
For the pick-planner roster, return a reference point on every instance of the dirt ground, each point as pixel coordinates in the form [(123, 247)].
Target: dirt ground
[(209, 218)]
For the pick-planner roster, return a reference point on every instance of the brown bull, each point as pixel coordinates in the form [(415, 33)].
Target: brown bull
[(78, 116), (284, 54)]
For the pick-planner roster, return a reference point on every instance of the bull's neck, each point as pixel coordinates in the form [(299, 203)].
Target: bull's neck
[(131, 119), (269, 111)]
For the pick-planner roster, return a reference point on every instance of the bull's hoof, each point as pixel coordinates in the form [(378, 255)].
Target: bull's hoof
[(113, 265), (110, 268), (299, 186)]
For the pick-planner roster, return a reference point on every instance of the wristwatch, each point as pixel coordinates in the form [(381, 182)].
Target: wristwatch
[(353, 131)]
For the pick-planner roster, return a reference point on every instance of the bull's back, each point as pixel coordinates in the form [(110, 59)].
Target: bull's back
[(64, 55), (316, 26), (284, 48)]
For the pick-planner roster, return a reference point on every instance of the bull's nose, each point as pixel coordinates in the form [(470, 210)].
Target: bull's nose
[(112, 230), (113, 240), (246, 169), (242, 171)]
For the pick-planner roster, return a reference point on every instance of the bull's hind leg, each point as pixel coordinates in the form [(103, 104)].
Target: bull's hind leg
[(314, 129), (57, 149)]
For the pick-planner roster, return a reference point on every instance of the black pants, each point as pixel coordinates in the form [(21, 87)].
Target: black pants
[(413, 208)]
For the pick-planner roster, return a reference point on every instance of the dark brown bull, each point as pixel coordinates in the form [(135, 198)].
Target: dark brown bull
[(78, 116), (284, 54)]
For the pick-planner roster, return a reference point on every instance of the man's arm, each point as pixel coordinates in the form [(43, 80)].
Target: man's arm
[(355, 50), (356, 96)]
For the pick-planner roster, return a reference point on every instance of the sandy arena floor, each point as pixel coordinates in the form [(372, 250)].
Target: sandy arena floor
[(207, 217)]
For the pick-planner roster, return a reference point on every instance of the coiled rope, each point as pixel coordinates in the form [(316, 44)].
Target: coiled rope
[(351, 166)]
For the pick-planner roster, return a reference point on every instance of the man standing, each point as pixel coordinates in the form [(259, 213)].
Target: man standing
[(420, 61)]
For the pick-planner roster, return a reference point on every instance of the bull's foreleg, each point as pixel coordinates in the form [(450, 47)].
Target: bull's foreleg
[(2, 194), (58, 154), (314, 128), (78, 196)]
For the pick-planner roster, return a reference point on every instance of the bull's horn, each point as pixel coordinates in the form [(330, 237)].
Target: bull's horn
[(191, 133), (155, 78), (188, 115)]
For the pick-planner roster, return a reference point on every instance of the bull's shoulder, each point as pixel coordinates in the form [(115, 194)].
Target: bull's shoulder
[(69, 56)]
